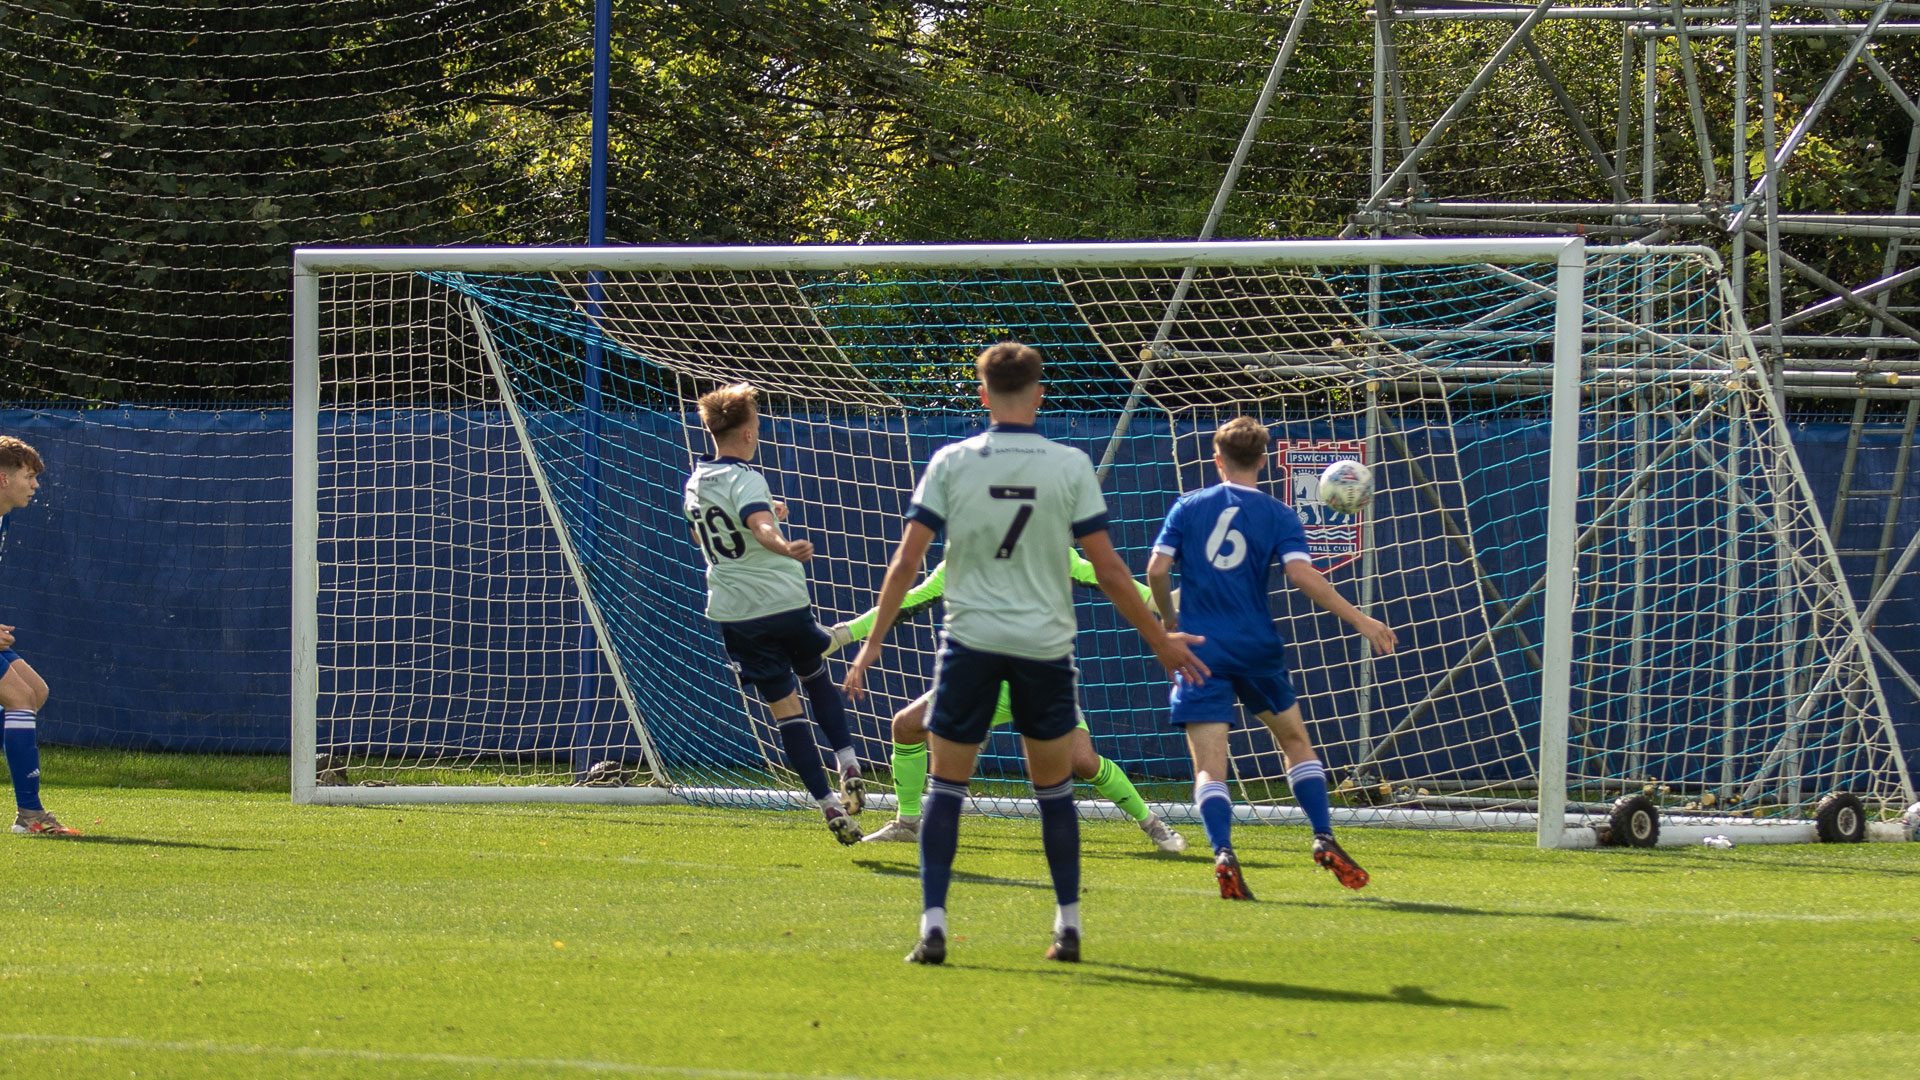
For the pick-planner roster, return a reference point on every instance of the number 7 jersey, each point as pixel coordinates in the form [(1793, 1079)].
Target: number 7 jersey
[(744, 579), (1010, 499)]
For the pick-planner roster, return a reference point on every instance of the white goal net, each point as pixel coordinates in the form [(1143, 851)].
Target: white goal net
[(1590, 532)]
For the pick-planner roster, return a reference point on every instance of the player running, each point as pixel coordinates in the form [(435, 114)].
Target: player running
[(910, 728), (22, 692), (1224, 538), (1010, 500), (757, 592)]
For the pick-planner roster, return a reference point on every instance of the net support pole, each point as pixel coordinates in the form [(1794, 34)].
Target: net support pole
[(1563, 495), (585, 725), (306, 532), (595, 628)]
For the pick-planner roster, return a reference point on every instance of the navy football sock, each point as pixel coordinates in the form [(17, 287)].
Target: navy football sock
[(1216, 813), (796, 734), (1309, 783), (1060, 837), (23, 758), (829, 709), (939, 839)]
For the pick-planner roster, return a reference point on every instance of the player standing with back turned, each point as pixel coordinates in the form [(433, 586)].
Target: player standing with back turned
[(757, 592), (1010, 500), (1225, 538)]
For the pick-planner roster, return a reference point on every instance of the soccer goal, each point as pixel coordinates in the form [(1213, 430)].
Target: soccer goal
[(1620, 620)]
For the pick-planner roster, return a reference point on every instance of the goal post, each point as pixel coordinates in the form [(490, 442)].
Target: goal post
[(1587, 529)]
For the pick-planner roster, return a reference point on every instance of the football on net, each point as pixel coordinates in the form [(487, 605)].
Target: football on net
[(1346, 486)]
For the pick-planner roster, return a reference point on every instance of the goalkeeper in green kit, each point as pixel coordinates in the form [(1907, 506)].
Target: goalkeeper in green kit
[(910, 728)]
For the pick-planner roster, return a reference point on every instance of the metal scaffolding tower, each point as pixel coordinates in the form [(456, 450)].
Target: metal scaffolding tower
[(1708, 165)]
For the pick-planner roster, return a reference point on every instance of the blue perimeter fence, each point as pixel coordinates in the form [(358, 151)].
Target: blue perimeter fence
[(150, 582)]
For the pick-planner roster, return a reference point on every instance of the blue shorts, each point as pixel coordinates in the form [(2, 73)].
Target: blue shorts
[(7, 657), (774, 653), (1264, 687), (1043, 695)]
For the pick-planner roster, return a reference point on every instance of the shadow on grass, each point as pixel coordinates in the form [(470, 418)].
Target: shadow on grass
[(143, 841), (1169, 979), (912, 870), (1415, 907)]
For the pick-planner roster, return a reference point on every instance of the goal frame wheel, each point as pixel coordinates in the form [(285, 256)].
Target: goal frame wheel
[(1841, 818), (1634, 821)]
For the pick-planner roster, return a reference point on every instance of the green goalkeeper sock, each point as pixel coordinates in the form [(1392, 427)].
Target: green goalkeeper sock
[(909, 776), (1113, 785)]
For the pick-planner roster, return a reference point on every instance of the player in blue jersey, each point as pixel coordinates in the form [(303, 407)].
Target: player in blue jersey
[(1009, 500), (22, 692), (1224, 538), (757, 593)]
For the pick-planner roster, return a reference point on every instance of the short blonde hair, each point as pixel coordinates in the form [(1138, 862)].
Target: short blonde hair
[(1242, 441), (728, 408), (1009, 367), (14, 453)]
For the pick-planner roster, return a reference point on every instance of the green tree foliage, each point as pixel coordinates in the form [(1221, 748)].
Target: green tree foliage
[(163, 161), (159, 160)]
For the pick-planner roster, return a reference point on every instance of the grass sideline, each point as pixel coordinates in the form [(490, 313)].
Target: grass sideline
[(225, 933)]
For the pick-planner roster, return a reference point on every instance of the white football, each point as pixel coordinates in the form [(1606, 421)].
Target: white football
[(1346, 486), (1912, 818)]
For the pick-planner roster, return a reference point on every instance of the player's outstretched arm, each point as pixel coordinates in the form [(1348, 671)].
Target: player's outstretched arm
[(1160, 586), (900, 571), (1321, 591), (1171, 649), (918, 599), (767, 531), (1083, 574)]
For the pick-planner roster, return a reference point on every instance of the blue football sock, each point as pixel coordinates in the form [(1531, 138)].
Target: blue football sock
[(939, 839), (1060, 838), (829, 710), (1216, 813), (796, 734), (23, 758), (1309, 783)]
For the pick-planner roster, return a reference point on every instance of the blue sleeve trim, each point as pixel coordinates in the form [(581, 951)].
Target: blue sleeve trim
[(752, 508), (1094, 524), (926, 517)]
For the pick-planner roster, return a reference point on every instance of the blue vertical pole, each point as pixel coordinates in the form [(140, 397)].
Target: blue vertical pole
[(585, 728)]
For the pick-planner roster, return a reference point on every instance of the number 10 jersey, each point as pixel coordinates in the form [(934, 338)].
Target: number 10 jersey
[(744, 580), (1010, 499)]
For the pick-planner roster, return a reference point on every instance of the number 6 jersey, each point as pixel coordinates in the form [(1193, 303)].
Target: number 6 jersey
[(1224, 539), (1010, 499), (744, 580)]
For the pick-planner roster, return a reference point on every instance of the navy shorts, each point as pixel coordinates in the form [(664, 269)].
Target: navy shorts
[(7, 657), (774, 653), (1264, 687), (1044, 695)]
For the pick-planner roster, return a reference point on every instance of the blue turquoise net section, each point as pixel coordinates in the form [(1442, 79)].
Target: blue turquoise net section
[(1713, 663)]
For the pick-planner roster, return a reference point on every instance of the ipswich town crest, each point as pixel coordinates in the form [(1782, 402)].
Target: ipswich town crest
[(1333, 538)]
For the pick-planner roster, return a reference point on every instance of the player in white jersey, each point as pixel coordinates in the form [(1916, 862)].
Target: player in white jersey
[(757, 592), (1009, 500), (1224, 539), (909, 758), (22, 692)]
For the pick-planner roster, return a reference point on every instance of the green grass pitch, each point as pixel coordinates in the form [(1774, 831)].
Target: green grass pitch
[(197, 931)]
